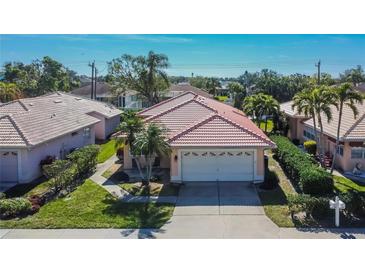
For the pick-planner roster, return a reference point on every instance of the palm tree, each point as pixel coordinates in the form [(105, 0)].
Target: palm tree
[(268, 107), (323, 98), (9, 92), (150, 143), (305, 104), (260, 105), (345, 95)]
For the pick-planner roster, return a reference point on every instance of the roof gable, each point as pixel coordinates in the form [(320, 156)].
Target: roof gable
[(218, 131), (10, 134)]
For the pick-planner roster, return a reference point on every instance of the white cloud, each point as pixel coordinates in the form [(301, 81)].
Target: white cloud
[(157, 38)]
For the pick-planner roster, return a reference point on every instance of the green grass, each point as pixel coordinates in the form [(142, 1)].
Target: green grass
[(343, 184), (270, 125), (36, 187), (107, 150), (275, 201), (91, 206), (155, 189), (221, 98)]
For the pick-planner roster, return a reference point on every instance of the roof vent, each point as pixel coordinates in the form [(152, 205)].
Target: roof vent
[(78, 99), (53, 115), (57, 101), (31, 104)]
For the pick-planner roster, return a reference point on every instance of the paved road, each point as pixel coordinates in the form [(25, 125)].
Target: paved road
[(210, 211)]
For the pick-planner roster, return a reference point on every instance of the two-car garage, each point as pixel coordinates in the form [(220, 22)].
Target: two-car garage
[(217, 165)]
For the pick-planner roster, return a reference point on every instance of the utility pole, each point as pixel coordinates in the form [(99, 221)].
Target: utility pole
[(92, 65), (95, 80), (318, 65)]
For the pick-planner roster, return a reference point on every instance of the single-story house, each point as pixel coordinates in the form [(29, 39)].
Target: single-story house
[(177, 89), (210, 141), (52, 125), (352, 134)]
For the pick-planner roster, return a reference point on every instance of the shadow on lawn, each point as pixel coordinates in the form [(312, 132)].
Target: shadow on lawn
[(146, 216)]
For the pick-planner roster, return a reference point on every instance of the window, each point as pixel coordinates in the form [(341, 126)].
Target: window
[(87, 133), (340, 150), (358, 153), (308, 135)]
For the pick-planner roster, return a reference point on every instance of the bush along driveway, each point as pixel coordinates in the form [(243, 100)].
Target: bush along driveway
[(301, 198)]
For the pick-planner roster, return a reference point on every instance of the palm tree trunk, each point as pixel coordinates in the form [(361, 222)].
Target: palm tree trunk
[(139, 168), (320, 140), (337, 138)]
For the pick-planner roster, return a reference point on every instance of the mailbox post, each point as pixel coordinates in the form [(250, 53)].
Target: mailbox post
[(337, 205)]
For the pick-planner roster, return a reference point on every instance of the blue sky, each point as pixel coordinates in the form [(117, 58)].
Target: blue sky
[(208, 55)]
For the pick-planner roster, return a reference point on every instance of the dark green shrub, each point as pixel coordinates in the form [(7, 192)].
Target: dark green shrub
[(14, 207), (355, 202), (2, 195), (301, 168), (316, 181), (311, 147), (84, 159), (315, 207)]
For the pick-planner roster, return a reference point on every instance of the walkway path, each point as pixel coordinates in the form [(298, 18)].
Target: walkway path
[(117, 191)]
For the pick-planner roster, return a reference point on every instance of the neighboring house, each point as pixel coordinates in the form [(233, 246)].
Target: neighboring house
[(178, 89), (210, 141), (129, 99), (352, 134), (52, 125), (360, 88)]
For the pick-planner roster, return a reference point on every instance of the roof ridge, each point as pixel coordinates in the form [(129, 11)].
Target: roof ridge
[(179, 106), (362, 117), (15, 101), (165, 101), (17, 128)]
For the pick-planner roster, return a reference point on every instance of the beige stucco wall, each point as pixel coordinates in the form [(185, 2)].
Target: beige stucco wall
[(260, 168), (345, 162), (99, 127)]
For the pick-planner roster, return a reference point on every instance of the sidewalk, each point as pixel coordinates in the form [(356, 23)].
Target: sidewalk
[(117, 191)]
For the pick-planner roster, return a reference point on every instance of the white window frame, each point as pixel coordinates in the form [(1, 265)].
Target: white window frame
[(340, 150), (87, 133)]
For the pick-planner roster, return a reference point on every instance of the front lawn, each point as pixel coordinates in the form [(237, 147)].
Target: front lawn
[(154, 189), (91, 206), (275, 201), (270, 125), (107, 150), (343, 184)]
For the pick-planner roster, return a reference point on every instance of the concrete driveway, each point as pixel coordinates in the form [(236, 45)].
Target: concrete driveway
[(218, 198), (218, 210)]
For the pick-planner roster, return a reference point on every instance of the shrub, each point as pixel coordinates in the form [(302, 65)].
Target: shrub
[(311, 147), (84, 159), (315, 207), (14, 207), (2, 195), (301, 168), (316, 181), (355, 202), (47, 161)]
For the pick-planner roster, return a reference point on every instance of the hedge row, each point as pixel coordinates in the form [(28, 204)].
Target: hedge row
[(14, 207), (314, 207), (302, 168)]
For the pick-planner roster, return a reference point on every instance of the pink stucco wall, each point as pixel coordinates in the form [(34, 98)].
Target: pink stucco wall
[(30, 158)]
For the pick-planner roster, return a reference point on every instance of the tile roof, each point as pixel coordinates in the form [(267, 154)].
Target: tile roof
[(167, 104), (218, 131), (181, 88), (351, 128), (288, 110), (194, 120), (46, 117)]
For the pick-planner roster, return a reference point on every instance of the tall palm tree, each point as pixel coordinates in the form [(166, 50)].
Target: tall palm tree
[(323, 99), (250, 106), (305, 103), (150, 143), (345, 96)]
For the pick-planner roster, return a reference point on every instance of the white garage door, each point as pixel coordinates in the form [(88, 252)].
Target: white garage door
[(8, 166), (225, 165)]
